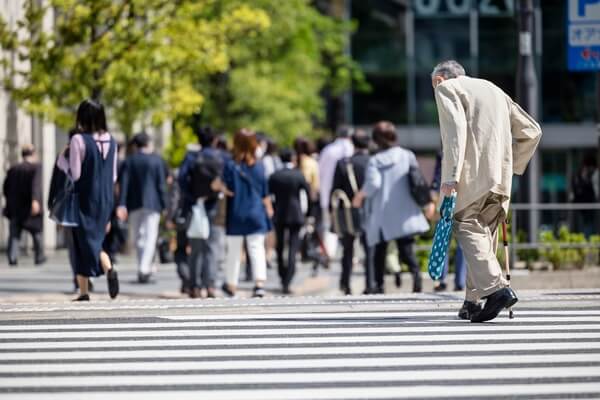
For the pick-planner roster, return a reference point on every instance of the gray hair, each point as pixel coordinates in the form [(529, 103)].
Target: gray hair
[(448, 69)]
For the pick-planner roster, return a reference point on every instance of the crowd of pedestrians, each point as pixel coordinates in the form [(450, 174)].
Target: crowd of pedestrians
[(236, 210)]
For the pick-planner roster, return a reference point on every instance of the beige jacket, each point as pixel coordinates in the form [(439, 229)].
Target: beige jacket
[(486, 138)]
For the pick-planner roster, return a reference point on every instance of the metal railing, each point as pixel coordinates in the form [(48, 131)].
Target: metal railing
[(515, 207)]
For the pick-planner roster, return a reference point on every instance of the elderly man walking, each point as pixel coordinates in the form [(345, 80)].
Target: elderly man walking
[(486, 138)]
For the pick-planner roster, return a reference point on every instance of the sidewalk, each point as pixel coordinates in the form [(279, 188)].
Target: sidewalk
[(53, 282)]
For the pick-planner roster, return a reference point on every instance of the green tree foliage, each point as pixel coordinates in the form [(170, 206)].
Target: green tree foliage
[(277, 77), (140, 57)]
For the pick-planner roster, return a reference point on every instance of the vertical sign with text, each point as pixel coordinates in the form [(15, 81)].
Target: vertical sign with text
[(583, 35)]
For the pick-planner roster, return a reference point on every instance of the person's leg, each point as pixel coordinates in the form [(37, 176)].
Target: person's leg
[(294, 247), (406, 254), (181, 260), (475, 230), (379, 261), (210, 260), (460, 269), (139, 235), (347, 255), (38, 247), (14, 236), (195, 265), (152, 226), (368, 264), (83, 283), (257, 256), (279, 247), (232, 263)]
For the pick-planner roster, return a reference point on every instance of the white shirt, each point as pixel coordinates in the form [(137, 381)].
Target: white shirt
[(331, 154)]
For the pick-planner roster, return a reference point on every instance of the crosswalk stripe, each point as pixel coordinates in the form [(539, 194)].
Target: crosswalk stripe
[(275, 378), (84, 353), (74, 332), (274, 323), (350, 315), (441, 362), (524, 391), (369, 340)]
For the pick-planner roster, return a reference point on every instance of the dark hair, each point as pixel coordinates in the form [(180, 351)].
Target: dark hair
[(361, 140), (73, 132), (91, 117), (287, 155), (206, 136), (142, 140), (27, 150), (272, 147), (244, 146), (384, 134), (221, 143), (303, 146)]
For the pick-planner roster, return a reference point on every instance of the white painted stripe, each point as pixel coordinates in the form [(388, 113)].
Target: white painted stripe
[(120, 330), (332, 351), (438, 339), (358, 323), (466, 361), (352, 315), (416, 377), (374, 393), (154, 329)]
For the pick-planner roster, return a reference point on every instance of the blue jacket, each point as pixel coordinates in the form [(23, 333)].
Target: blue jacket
[(143, 183), (391, 211)]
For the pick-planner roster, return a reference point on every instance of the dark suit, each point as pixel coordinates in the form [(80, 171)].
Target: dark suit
[(286, 186), (341, 181), (23, 185), (144, 194), (143, 183)]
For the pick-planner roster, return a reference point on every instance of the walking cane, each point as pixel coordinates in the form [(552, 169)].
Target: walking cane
[(506, 263)]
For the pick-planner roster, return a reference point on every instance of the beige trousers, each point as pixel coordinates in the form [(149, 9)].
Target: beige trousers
[(476, 229)]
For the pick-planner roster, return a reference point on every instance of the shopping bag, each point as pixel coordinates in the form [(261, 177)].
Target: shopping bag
[(199, 227), (65, 207), (441, 238)]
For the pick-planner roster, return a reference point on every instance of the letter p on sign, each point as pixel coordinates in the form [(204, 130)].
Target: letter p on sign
[(581, 11)]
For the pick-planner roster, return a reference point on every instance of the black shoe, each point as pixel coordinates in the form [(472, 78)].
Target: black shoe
[(40, 260), (469, 308), (440, 287), (112, 279), (286, 291), (258, 292), (378, 290), (398, 279), (503, 298), (458, 288), (13, 263), (83, 297), (346, 290), (227, 291), (144, 278)]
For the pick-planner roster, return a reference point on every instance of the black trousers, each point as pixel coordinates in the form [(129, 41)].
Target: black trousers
[(406, 255), (287, 267), (181, 260), (348, 255), (14, 237)]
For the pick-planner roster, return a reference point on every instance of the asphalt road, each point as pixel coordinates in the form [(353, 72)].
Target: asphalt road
[(374, 347)]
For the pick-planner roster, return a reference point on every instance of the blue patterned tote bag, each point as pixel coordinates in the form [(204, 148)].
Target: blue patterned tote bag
[(441, 238)]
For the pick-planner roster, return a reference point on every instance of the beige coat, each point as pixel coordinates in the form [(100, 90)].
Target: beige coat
[(486, 138)]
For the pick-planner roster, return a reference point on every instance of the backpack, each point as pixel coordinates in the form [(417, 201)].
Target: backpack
[(206, 169)]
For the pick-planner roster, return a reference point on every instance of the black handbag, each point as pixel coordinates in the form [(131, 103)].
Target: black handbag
[(346, 219), (65, 207), (419, 188)]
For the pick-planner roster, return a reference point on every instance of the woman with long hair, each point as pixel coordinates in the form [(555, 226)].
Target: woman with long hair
[(249, 212), (92, 165)]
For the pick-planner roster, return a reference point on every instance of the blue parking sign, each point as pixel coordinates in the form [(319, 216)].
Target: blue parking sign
[(583, 35)]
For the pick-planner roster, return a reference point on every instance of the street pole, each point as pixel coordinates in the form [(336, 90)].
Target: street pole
[(527, 96)]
